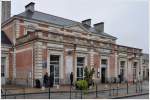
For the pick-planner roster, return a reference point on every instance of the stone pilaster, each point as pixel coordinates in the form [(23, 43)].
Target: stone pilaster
[(38, 61)]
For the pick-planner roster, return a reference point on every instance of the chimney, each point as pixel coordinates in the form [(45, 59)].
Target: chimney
[(30, 7), (86, 23), (99, 27)]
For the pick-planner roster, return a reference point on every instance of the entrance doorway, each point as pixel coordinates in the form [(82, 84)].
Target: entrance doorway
[(103, 75), (54, 68), (122, 70), (103, 70), (80, 68)]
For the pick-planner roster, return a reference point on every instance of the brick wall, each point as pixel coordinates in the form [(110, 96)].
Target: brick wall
[(96, 63), (21, 29), (44, 57), (112, 65), (8, 29), (23, 65)]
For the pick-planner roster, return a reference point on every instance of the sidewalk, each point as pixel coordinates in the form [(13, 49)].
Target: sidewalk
[(130, 95), (103, 91), (20, 89)]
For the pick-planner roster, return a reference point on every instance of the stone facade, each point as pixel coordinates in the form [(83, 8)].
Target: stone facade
[(145, 66), (42, 47)]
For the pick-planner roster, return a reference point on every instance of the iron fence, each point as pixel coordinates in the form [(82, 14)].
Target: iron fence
[(110, 91)]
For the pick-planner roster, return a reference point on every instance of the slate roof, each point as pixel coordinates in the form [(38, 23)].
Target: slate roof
[(47, 18), (102, 33), (56, 20), (5, 39), (145, 56)]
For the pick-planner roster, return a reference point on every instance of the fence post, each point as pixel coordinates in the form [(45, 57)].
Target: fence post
[(5, 93), (70, 91), (96, 91), (15, 97), (136, 86), (24, 93), (117, 88), (49, 93), (113, 91), (127, 87), (81, 93), (141, 86), (110, 89)]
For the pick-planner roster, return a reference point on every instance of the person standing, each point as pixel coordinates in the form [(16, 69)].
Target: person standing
[(45, 80), (71, 78)]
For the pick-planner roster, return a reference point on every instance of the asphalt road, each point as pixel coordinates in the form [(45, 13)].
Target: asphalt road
[(139, 97)]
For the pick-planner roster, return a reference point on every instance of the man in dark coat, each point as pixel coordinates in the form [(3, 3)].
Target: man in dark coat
[(71, 78), (45, 80)]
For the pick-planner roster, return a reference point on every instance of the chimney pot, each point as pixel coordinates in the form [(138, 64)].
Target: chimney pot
[(86, 23), (99, 27), (30, 7)]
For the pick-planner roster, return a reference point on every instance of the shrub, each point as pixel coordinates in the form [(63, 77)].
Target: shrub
[(82, 85)]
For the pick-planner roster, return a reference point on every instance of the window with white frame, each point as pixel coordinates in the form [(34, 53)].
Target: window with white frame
[(134, 70)]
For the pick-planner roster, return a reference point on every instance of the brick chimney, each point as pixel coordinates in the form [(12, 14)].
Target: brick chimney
[(86, 23), (99, 27), (30, 7)]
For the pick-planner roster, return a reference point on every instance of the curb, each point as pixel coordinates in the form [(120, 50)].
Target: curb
[(119, 97)]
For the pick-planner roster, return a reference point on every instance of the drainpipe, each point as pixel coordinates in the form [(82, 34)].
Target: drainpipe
[(74, 64), (14, 63)]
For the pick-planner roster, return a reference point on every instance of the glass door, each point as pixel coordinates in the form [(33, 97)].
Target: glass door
[(54, 68), (80, 68)]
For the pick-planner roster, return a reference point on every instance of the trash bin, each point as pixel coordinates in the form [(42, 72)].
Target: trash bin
[(38, 83)]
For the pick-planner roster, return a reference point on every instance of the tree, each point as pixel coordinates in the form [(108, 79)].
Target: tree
[(88, 74)]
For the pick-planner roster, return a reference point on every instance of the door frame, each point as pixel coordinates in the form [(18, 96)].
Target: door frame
[(104, 75), (85, 62), (55, 73), (107, 67), (61, 61)]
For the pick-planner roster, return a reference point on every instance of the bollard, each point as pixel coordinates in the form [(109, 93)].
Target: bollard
[(96, 91), (49, 93)]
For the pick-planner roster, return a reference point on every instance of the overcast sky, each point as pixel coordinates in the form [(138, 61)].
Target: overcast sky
[(125, 19)]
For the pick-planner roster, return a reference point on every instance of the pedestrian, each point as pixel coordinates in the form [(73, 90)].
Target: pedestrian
[(71, 78), (45, 80), (51, 79)]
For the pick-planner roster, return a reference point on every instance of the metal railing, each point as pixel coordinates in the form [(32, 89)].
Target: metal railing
[(112, 90)]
